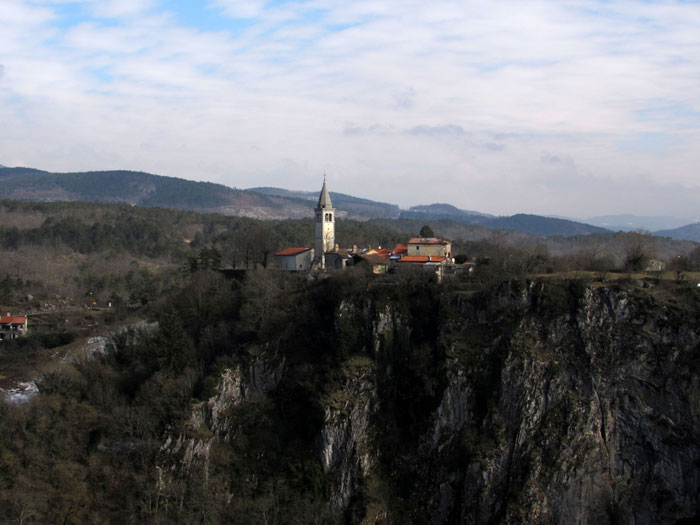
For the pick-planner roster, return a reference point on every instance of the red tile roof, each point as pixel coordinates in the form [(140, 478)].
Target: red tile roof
[(292, 251), (14, 319), (422, 258), (401, 248), (427, 240)]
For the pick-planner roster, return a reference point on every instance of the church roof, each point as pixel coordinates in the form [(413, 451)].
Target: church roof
[(324, 200)]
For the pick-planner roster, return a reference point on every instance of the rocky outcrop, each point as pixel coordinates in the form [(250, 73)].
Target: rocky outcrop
[(594, 417), (189, 448), (546, 402), (345, 442)]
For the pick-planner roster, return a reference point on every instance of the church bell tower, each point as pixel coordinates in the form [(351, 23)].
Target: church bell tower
[(324, 239)]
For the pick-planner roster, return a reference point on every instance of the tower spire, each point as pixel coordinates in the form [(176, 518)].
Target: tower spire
[(324, 200), (325, 225)]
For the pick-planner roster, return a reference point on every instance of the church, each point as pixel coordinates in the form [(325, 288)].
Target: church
[(430, 253), (324, 240)]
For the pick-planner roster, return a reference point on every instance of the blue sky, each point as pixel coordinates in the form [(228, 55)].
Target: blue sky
[(575, 108)]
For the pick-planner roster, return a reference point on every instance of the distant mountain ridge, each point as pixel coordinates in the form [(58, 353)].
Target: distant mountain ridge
[(534, 224), (628, 222), (145, 189), (689, 232), (444, 211), (363, 208), (543, 226)]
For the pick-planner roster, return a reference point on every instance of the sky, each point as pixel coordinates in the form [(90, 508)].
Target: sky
[(567, 107)]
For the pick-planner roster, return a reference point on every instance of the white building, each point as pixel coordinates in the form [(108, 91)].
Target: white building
[(295, 259)]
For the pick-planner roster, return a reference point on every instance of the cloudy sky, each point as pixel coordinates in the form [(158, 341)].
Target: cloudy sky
[(575, 108)]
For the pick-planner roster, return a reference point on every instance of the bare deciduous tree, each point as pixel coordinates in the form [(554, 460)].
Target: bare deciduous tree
[(636, 249)]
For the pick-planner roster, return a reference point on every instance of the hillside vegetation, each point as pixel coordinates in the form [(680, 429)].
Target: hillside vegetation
[(76, 248), (277, 399), (272, 397), (144, 189)]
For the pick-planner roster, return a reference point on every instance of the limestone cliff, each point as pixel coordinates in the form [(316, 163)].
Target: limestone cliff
[(545, 402), (582, 408)]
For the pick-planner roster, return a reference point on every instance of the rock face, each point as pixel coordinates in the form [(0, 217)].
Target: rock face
[(546, 402), (345, 442), (593, 416), (189, 448)]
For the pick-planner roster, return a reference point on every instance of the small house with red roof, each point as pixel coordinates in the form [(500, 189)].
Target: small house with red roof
[(295, 259), (13, 326)]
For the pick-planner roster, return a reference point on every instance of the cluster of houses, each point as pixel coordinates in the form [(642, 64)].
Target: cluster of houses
[(428, 253)]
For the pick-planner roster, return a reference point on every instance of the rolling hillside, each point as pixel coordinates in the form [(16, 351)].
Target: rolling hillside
[(444, 211), (145, 189), (355, 207), (532, 224), (542, 226), (689, 232)]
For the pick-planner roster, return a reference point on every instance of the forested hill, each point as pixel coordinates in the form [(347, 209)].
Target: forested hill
[(355, 206), (543, 226), (689, 232), (145, 189), (526, 223)]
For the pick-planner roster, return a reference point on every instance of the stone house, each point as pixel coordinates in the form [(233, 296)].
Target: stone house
[(429, 246)]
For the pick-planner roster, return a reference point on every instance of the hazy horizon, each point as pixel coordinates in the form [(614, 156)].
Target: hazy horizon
[(576, 109)]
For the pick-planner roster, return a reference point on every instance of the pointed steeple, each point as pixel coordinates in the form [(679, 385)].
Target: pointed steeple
[(324, 200)]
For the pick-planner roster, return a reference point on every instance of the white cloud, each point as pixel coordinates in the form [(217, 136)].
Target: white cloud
[(384, 95)]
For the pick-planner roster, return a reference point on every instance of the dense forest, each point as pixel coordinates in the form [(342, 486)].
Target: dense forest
[(276, 399)]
